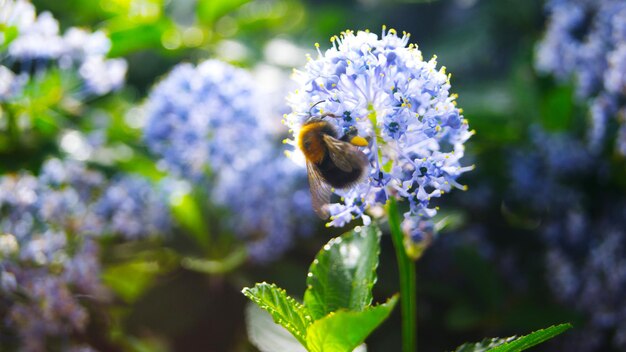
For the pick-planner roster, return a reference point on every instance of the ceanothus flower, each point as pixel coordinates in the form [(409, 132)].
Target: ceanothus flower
[(586, 40), (586, 269), (208, 124), (39, 45), (273, 206), (402, 104), (130, 207), (49, 254), (200, 119), (540, 175)]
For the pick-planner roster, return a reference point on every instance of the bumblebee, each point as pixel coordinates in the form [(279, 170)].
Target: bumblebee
[(332, 161)]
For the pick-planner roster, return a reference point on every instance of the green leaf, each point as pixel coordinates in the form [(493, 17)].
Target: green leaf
[(343, 331), (484, 345), (130, 280), (532, 339), (285, 310), (131, 37), (515, 344), (211, 10), (266, 335), (188, 213), (343, 273)]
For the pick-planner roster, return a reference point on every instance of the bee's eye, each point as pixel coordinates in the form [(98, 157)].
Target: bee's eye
[(307, 144)]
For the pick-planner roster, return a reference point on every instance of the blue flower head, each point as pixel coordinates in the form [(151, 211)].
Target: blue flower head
[(39, 44), (208, 125), (48, 249), (586, 40), (382, 87), (199, 119)]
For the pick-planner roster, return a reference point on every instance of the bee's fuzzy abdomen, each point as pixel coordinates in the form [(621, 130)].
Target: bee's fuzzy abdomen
[(338, 178)]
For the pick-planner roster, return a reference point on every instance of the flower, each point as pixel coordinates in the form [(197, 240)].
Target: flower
[(38, 44), (269, 201), (208, 125), (385, 90), (586, 270), (49, 254), (130, 207), (540, 175), (202, 118), (586, 40)]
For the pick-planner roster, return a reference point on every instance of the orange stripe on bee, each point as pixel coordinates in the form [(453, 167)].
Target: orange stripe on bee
[(311, 143)]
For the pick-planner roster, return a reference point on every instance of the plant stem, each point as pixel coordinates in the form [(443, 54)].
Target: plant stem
[(406, 270)]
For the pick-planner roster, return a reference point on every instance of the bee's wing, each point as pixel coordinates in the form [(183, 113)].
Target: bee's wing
[(343, 154), (320, 191)]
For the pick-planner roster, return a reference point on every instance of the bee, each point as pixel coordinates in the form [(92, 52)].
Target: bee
[(332, 161)]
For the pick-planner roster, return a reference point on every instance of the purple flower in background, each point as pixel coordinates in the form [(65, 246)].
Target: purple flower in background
[(384, 89), (130, 207), (586, 40), (200, 119), (48, 251), (208, 125), (540, 175), (586, 269), (39, 45)]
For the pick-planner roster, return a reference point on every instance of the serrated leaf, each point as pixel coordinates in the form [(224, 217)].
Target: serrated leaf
[(513, 343), (285, 310), (343, 273), (266, 335), (533, 339), (484, 345), (343, 331)]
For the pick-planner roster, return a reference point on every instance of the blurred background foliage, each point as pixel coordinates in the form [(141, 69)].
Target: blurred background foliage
[(487, 273)]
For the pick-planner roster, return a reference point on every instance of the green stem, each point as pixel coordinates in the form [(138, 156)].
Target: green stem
[(406, 269)]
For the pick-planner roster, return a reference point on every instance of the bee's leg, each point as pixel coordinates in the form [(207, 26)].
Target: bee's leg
[(329, 115)]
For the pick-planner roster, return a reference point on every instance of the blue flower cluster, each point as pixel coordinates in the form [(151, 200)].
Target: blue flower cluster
[(48, 250), (270, 202), (402, 104), (585, 246), (33, 43), (200, 119), (587, 40), (208, 124), (131, 208), (540, 175), (586, 262)]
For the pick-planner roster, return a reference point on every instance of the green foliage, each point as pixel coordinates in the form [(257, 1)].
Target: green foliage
[(345, 330), (211, 10), (285, 310), (337, 314), (515, 344), (343, 273), (129, 280)]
